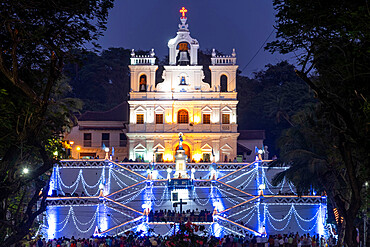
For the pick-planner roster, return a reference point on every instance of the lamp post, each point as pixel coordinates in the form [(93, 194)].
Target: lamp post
[(106, 153), (365, 212)]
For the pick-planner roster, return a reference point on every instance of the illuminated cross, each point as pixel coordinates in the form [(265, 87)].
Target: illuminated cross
[(183, 11)]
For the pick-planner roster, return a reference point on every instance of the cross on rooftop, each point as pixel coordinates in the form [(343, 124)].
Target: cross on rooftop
[(183, 11)]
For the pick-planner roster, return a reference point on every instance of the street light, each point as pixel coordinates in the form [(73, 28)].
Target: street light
[(25, 170)]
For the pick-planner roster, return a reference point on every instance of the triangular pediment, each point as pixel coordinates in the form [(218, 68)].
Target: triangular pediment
[(226, 147), (206, 147), (140, 109), (206, 109), (159, 147), (139, 147), (159, 109), (226, 109)]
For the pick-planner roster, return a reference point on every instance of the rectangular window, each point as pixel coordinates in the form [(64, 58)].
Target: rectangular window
[(225, 118), (159, 118), (87, 139), (122, 140), (206, 118), (140, 119), (206, 157), (105, 139), (159, 157)]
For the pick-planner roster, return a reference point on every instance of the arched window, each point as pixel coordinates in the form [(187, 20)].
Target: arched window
[(223, 83), (183, 117), (142, 83)]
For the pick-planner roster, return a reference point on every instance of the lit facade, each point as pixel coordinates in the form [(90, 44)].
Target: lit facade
[(182, 102)]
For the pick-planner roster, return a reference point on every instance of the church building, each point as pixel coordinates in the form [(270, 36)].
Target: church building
[(183, 102)]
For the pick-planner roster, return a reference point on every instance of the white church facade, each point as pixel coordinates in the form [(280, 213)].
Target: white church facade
[(205, 114)]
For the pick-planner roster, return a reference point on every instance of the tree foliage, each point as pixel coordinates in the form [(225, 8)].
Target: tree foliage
[(331, 39), (102, 80), (37, 38), (270, 99)]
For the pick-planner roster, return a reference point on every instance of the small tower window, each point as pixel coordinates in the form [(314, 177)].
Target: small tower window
[(183, 117), (142, 83), (223, 83)]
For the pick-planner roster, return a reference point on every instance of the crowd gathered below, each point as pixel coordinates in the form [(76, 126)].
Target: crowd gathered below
[(133, 240)]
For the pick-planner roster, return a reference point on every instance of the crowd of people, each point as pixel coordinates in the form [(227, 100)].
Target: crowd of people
[(173, 216), (134, 240)]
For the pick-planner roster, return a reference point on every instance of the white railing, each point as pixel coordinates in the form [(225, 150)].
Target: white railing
[(142, 60), (223, 60)]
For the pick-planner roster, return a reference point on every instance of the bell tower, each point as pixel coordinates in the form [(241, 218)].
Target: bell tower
[(183, 49)]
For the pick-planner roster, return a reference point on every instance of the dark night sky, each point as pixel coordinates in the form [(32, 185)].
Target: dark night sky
[(220, 24)]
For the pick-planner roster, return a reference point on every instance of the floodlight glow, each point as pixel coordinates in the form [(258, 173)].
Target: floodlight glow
[(169, 170), (25, 170), (55, 153), (148, 171), (262, 186), (71, 142), (101, 186), (154, 174), (78, 148), (106, 150), (145, 206)]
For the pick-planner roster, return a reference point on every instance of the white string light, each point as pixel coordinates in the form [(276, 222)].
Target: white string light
[(198, 201), (254, 170)]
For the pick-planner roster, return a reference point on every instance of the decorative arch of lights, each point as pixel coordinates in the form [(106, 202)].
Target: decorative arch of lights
[(120, 196)]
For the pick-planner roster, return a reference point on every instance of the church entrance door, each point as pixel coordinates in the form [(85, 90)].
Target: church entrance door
[(186, 148)]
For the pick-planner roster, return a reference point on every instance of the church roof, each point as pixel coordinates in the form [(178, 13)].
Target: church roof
[(117, 113), (251, 134), (243, 149)]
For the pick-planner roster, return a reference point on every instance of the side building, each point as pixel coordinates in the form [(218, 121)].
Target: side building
[(96, 130)]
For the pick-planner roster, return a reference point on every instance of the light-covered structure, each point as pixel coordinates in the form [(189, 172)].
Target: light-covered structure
[(181, 117), (205, 113)]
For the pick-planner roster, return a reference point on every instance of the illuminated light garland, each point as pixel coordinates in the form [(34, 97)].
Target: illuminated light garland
[(71, 213), (306, 230), (121, 212), (243, 174), (164, 197), (119, 181), (250, 218), (246, 182), (293, 211), (74, 218), (126, 230), (225, 191), (79, 178), (131, 198), (239, 212), (196, 197), (277, 229), (123, 174), (291, 189), (281, 185)]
